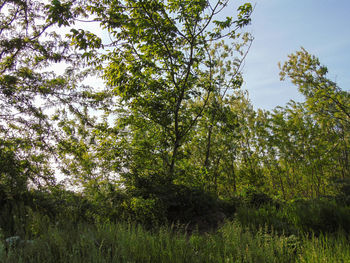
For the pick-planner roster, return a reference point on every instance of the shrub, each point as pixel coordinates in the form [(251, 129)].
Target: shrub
[(256, 198), (265, 216), (147, 211), (230, 206), (193, 206), (319, 216)]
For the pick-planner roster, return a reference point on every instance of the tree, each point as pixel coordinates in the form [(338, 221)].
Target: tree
[(323, 96), (29, 91), (162, 73), (329, 105)]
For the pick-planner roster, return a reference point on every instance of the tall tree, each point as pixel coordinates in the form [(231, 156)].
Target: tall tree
[(328, 103), (159, 67), (29, 90)]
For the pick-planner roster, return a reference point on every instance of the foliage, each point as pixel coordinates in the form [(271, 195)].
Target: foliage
[(317, 216), (326, 102), (167, 60), (169, 138), (130, 243), (31, 91), (320, 216)]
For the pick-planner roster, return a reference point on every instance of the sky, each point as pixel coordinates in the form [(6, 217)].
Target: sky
[(281, 27)]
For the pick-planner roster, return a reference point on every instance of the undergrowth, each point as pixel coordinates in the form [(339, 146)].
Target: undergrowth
[(122, 242)]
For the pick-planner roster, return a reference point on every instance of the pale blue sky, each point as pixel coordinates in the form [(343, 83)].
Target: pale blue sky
[(281, 27)]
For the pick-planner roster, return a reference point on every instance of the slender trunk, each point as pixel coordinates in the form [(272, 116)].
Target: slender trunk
[(173, 158), (208, 146), (281, 181), (216, 175), (233, 175)]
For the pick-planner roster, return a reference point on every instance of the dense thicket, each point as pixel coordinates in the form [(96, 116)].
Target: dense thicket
[(170, 136)]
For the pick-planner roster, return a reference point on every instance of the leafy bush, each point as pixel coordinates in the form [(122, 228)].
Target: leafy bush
[(230, 206), (192, 206), (149, 212), (256, 198), (319, 216), (299, 216), (343, 190), (265, 216), (165, 201)]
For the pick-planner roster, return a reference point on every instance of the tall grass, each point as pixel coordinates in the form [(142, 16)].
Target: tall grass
[(325, 248), (123, 242)]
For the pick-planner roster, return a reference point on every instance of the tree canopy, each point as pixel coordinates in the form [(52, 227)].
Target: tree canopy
[(170, 124)]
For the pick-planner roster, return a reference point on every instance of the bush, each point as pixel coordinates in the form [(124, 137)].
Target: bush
[(193, 206), (149, 212), (230, 206), (343, 189), (256, 198), (172, 203), (319, 216), (265, 216)]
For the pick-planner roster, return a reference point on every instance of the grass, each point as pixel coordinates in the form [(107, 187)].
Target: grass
[(325, 249), (131, 243)]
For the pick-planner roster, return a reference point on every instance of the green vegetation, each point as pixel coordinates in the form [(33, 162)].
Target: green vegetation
[(130, 243), (261, 230), (167, 161)]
